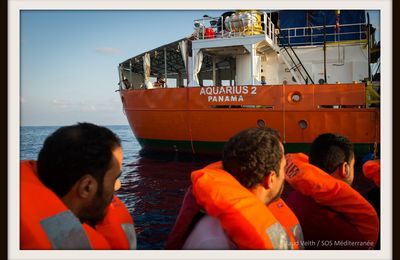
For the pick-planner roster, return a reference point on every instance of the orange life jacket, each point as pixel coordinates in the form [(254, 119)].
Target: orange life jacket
[(117, 226), (333, 193), (371, 170), (289, 221), (247, 221), (46, 223)]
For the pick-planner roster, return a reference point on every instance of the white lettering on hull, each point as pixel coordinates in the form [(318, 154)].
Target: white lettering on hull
[(225, 98), (228, 93)]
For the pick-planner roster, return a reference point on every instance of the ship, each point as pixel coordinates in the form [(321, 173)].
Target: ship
[(301, 72)]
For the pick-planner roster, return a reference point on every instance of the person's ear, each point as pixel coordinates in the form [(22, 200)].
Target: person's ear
[(344, 170), (269, 180), (117, 184), (87, 187)]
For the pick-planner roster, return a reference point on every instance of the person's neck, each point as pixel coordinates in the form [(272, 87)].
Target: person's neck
[(71, 204), (261, 193), (339, 176)]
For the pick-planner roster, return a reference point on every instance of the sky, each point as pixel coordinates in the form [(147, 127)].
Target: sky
[(69, 59)]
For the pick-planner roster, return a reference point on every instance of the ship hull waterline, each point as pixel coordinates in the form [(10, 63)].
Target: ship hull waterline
[(200, 120)]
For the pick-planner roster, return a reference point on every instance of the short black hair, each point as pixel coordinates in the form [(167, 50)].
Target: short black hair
[(328, 151), (73, 151), (251, 154)]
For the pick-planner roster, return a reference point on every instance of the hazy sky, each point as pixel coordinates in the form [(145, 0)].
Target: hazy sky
[(69, 59)]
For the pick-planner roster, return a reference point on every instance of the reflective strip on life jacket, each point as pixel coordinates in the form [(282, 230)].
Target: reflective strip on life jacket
[(298, 236), (246, 220), (278, 236), (129, 231), (333, 193), (64, 231)]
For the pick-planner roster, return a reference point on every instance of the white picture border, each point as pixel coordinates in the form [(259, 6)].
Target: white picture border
[(14, 8)]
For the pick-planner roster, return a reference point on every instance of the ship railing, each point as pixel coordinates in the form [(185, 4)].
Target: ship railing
[(208, 28), (315, 35), (219, 27), (373, 97)]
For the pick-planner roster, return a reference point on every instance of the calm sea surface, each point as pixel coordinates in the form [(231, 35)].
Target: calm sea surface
[(152, 188)]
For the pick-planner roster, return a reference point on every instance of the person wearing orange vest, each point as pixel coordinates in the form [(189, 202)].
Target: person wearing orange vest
[(332, 214), (67, 196), (235, 204), (372, 171)]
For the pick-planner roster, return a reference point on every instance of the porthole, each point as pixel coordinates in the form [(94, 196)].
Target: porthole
[(294, 97), (303, 124), (261, 123)]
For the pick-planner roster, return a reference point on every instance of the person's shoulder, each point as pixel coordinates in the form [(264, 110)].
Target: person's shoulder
[(305, 207), (296, 199), (314, 217), (308, 211), (208, 234)]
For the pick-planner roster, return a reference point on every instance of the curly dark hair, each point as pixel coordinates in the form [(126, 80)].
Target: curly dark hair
[(329, 150), (73, 151), (251, 154)]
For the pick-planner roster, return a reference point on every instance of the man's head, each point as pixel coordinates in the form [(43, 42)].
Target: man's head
[(334, 154), (81, 164), (255, 157), (160, 77)]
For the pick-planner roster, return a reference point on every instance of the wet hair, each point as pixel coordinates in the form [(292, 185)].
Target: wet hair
[(328, 151), (252, 154), (74, 151)]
